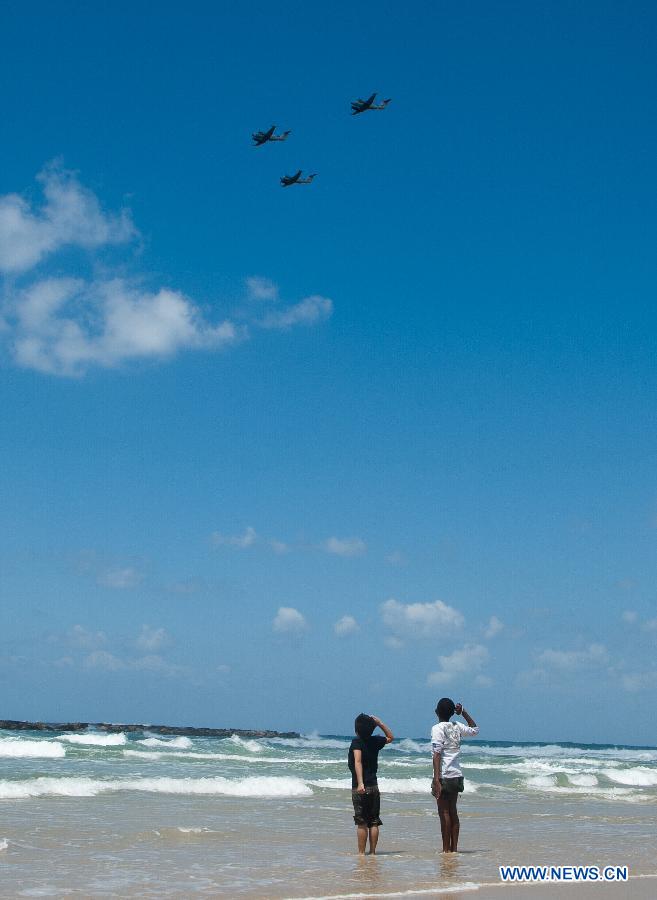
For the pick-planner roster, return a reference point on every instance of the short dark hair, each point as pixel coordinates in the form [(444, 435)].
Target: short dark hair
[(364, 725), (445, 708)]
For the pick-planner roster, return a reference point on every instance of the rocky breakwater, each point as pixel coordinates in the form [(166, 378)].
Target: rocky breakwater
[(186, 730)]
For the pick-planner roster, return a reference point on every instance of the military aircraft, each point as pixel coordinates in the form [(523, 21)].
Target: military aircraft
[(361, 106), (287, 180), (261, 137)]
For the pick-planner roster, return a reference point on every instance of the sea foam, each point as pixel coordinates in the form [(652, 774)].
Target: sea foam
[(386, 785), (177, 743), (18, 748), (96, 740), (312, 741), (244, 744), (257, 787), (639, 776)]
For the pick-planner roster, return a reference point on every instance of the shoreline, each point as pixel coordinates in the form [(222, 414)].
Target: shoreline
[(113, 727)]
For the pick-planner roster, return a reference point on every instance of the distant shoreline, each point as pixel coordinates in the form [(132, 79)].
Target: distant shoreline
[(112, 727)]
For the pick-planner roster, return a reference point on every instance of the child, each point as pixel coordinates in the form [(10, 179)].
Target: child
[(447, 781), (363, 761)]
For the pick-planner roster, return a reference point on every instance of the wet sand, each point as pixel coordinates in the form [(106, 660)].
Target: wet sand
[(183, 847)]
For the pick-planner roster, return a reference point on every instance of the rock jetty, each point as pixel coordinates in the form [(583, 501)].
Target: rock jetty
[(186, 730)]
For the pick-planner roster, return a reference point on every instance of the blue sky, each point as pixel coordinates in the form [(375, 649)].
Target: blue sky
[(271, 457)]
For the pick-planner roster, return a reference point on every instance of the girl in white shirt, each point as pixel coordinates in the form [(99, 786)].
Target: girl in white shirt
[(447, 781)]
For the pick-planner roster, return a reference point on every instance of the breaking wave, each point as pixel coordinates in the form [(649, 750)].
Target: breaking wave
[(386, 785), (257, 787), (19, 748), (96, 740), (252, 746), (640, 776), (312, 741), (176, 743)]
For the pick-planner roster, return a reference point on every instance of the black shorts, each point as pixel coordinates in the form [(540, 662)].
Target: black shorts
[(452, 785), (367, 806)]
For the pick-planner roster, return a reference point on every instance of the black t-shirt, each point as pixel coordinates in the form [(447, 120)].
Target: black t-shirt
[(369, 748)]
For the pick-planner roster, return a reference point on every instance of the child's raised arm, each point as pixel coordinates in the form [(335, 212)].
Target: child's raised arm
[(466, 715), (384, 728)]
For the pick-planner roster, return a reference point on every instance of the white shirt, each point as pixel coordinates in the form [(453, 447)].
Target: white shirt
[(446, 740)]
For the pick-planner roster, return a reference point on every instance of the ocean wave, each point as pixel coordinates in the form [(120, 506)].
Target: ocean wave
[(548, 783), (96, 740), (4, 843), (312, 741), (19, 748), (386, 785), (408, 745), (462, 888), (639, 776), (252, 746), (176, 743), (232, 757), (583, 780), (556, 751), (256, 787)]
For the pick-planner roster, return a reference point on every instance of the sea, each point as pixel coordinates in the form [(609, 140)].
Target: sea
[(99, 814)]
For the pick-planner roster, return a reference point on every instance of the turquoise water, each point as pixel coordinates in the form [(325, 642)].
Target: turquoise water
[(119, 815), (86, 765)]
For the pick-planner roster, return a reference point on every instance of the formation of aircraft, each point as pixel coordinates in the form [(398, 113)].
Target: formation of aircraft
[(263, 137), (287, 180), (361, 106)]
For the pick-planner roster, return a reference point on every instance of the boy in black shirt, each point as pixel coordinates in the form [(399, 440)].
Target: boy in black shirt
[(363, 763)]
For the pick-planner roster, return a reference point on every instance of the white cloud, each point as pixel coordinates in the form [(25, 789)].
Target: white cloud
[(289, 620), (650, 625), (242, 541), (103, 659), (109, 662), (80, 636), (279, 547), (63, 326), (396, 558), (630, 616), (308, 311), (344, 546), (345, 626), (393, 642), (156, 664), (70, 215), (566, 660), (151, 639), (420, 620), (64, 662), (120, 578), (639, 681), (463, 662), (493, 628), (66, 325), (258, 288)]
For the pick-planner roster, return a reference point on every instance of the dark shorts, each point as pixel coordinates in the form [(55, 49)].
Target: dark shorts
[(452, 785), (367, 807)]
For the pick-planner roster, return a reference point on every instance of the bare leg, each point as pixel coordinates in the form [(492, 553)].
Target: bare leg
[(374, 838), (445, 823), (454, 818), (362, 838)]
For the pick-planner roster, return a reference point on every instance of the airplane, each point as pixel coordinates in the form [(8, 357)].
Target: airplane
[(287, 180), (361, 106), (261, 137)]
